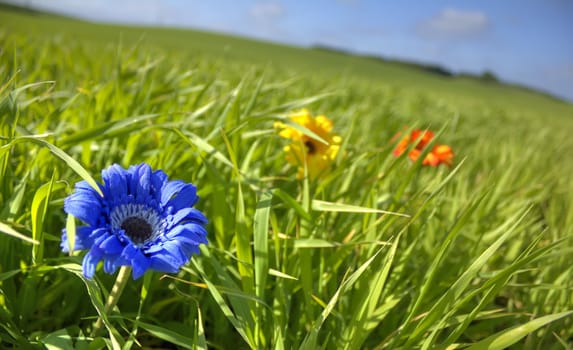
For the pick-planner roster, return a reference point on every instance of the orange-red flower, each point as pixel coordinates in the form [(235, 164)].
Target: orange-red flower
[(419, 139), (440, 154), (305, 151)]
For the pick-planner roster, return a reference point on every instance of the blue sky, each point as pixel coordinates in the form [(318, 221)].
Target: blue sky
[(522, 41)]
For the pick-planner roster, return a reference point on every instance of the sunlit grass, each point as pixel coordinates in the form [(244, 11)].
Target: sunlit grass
[(379, 253)]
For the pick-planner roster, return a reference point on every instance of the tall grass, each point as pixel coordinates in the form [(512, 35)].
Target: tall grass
[(382, 253)]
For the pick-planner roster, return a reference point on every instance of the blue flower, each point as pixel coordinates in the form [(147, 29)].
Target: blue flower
[(143, 221)]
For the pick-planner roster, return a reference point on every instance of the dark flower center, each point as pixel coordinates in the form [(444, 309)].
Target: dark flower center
[(310, 147), (137, 229)]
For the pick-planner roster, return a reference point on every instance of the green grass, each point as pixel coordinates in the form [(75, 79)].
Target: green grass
[(480, 257)]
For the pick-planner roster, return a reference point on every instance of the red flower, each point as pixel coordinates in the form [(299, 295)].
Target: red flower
[(440, 154)]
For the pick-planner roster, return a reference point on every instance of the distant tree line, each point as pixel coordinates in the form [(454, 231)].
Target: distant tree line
[(486, 76)]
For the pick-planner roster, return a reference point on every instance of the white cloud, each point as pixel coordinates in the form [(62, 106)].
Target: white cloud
[(267, 11), (265, 18), (454, 24)]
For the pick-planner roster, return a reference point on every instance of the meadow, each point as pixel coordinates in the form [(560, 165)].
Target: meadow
[(379, 252)]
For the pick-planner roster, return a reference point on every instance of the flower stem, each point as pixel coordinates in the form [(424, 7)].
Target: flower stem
[(113, 298)]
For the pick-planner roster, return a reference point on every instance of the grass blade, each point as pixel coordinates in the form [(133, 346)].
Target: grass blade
[(72, 163), (506, 338), (167, 335), (6, 229), (319, 205), (261, 245)]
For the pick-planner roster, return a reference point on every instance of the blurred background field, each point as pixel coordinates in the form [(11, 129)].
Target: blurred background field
[(484, 247)]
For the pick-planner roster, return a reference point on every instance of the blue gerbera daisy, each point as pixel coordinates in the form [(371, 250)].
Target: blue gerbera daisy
[(143, 221)]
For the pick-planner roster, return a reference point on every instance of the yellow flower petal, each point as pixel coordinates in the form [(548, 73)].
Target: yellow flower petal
[(304, 150)]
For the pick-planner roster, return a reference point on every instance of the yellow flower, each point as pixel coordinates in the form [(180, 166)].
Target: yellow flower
[(304, 149)]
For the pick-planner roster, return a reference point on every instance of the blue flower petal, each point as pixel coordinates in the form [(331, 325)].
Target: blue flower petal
[(157, 180), (111, 245), (152, 249), (114, 178), (197, 216), (196, 232), (132, 179), (189, 240), (96, 235), (144, 178), (85, 187), (129, 252), (84, 204), (170, 189), (189, 249), (174, 249), (186, 197), (139, 262), (165, 263), (185, 214), (89, 264), (110, 264), (83, 210), (82, 241)]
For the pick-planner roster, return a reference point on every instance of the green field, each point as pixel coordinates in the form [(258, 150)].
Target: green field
[(379, 253)]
